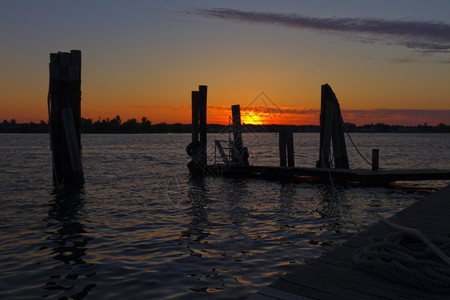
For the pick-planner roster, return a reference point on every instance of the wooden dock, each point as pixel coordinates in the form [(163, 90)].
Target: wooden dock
[(336, 276), (332, 166), (356, 176)]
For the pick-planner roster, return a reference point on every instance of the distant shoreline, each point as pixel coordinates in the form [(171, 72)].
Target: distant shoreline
[(132, 126)]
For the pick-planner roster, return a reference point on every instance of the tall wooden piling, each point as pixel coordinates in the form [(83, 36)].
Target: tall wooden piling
[(239, 152), (286, 146), (195, 120), (282, 146), (203, 89), (331, 131), (237, 134), (64, 107), (197, 148), (290, 147)]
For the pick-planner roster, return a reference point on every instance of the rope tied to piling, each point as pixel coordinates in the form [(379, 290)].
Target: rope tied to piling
[(408, 257)]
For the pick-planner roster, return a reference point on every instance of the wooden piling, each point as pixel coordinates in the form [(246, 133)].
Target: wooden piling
[(195, 144), (282, 146), (331, 131), (239, 153), (197, 148), (203, 89), (64, 107), (195, 117), (323, 111), (290, 147), (339, 146), (325, 153), (375, 159), (286, 146), (237, 134)]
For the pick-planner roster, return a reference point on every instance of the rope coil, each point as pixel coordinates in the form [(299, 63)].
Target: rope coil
[(408, 257)]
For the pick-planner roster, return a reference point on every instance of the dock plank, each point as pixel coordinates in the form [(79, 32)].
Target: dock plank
[(332, 277), (335, 276)]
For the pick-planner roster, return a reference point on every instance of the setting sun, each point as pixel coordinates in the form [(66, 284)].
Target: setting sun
[(251, 117)]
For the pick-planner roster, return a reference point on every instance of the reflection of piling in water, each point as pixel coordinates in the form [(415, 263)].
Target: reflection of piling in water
[(64, 107), (71, 277)]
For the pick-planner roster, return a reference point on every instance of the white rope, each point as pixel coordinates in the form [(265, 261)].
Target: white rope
[(354, 145), (416, 233), (408, 257)]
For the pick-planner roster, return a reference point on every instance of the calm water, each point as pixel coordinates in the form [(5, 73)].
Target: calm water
[(140, 228)]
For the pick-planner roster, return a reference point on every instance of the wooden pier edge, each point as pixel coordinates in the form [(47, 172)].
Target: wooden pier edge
[(335, 276), (345, 176)]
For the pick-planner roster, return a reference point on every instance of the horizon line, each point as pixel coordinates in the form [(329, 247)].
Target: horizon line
[(425, 124)]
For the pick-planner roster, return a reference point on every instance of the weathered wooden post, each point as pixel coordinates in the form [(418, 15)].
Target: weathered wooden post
[(331, 131), (202, 92), (239, 152), (375, 159), (286, 145), (290, 147), (64, 107), (282, 145), (195, 145), (237, 134), (197, 148)]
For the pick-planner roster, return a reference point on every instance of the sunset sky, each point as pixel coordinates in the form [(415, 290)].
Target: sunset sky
[(387, 61)]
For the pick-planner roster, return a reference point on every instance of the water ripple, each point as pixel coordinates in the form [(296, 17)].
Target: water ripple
[(142, 228)]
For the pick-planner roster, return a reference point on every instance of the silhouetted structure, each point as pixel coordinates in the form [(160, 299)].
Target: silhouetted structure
[(375, 159), (64, 108), (239, 152), (197, 148), (286, 144), (235, 156), (331, 131)]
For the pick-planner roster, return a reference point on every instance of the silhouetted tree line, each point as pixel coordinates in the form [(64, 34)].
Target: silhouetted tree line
[(130, 126), (13, 127), (116, 125), (107, 125)]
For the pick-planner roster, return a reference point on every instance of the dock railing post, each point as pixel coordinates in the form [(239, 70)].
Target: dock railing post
[(64, 108), (375, 159)]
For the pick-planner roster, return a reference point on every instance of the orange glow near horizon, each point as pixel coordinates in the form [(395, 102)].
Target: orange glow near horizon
[(149, 60), (251, 117), (256, 115)]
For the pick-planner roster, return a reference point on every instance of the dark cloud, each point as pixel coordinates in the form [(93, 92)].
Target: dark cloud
[(397, 116), (420, 35)]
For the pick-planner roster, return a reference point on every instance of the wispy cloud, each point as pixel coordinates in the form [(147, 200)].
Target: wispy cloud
[(397, 116), (425, 36)]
